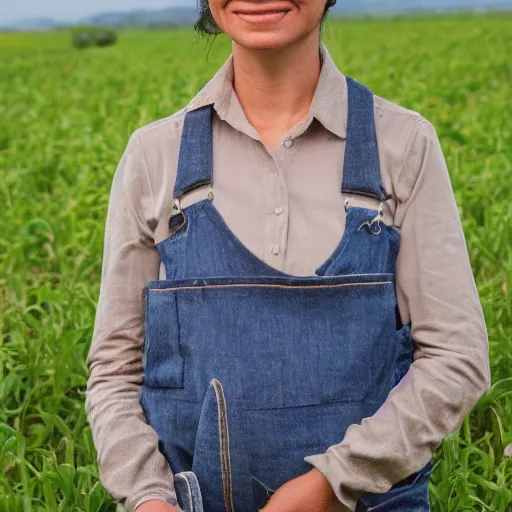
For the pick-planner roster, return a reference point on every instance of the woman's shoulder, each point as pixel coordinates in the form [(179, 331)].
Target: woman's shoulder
[(162, 131), (406, 139), (152, 155), (159, 142), (400, 129), (394, 121)]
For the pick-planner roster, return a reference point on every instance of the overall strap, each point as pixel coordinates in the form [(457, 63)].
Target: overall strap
[(195, 161), (361, 169)]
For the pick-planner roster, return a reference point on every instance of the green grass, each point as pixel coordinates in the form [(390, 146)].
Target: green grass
[(66, 116)]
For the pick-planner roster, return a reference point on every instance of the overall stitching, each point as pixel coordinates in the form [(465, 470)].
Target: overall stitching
[(145, 345), (224, 445), (254, 285), (178, 336)]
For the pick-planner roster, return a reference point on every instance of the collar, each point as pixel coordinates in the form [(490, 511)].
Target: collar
[(329, 105)]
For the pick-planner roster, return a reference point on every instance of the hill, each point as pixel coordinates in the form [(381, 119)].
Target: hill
[(185, 16)]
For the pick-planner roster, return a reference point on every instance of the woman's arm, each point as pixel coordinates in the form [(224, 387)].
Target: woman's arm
[(436, 292), (132, 469)]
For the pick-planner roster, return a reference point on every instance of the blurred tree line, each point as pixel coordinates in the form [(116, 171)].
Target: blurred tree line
[(87, 36)]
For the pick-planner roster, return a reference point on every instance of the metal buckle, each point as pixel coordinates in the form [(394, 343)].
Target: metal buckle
[(176, 210), (377, 219)]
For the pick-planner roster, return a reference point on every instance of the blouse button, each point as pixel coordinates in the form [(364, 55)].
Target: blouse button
[(275, 249), (288, 142), (278, 210)]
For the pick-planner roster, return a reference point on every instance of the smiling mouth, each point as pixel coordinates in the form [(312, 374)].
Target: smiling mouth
[(262, 15)]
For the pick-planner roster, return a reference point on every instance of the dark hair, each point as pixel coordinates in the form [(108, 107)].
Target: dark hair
[(206, 25)]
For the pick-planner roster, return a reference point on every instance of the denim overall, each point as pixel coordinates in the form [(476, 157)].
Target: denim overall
[(247, 370)]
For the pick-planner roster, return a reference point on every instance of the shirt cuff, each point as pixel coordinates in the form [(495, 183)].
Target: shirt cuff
[(132, 507), (332, 469)]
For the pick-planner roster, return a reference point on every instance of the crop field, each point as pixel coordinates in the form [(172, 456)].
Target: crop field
[(65, 118)]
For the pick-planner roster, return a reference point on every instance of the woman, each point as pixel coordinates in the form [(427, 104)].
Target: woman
[(288, 247)]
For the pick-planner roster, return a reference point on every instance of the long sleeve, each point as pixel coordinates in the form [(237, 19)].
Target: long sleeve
[(132, 469), (437, 295)]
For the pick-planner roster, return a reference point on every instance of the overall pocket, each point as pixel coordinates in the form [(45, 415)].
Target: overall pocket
[(277, 342), (163, 362)]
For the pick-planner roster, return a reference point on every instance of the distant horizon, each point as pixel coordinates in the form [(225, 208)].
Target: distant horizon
[(26, 11), (65, 12)]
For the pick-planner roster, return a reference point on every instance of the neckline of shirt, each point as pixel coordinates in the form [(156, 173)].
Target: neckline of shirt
[(329, 105)]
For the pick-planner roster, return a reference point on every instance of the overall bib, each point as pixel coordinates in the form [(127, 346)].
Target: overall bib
[(247, 370)]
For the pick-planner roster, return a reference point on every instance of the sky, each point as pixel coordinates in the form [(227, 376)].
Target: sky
[(66, 10)]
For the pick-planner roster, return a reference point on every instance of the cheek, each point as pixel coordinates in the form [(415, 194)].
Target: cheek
[(309, 17), (216, 8), (312, 10)]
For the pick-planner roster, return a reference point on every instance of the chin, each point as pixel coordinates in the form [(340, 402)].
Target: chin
[(263, 41)]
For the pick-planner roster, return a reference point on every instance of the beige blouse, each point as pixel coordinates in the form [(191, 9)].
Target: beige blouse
[(287, 208)]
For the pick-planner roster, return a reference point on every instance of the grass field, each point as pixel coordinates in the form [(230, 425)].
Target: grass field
[(65, 118)]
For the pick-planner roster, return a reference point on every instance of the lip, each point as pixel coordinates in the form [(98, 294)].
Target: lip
[(262, 16), (261, 11), (251, 6)]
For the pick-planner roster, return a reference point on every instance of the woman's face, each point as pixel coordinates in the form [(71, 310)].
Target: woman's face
[(267, 24)]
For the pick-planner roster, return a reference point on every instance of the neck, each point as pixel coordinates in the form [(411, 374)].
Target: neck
[(276, 85)]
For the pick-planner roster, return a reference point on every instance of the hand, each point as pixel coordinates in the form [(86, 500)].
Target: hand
[(156, 506), (310, 492)]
